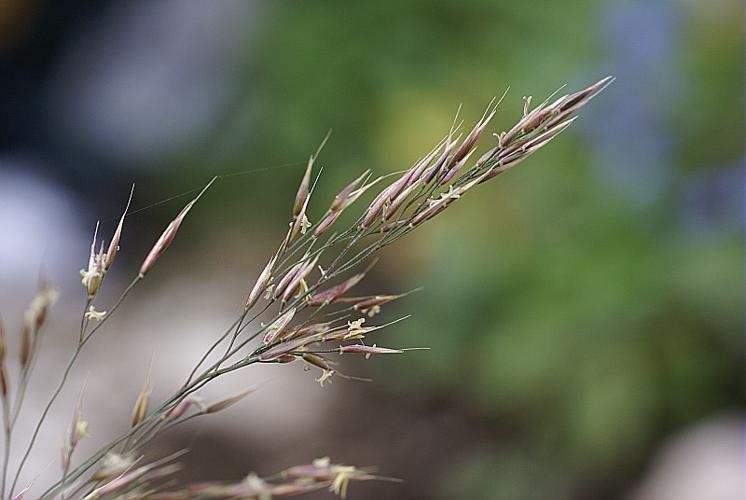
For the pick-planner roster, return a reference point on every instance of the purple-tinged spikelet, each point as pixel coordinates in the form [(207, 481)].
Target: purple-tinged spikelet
[(114, 244), (227, 402), (169, 234), (261, 283), (331, 294)]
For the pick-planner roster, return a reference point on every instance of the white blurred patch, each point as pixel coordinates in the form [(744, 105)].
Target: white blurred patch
[(705, 462), (148, 78), (39, 227)]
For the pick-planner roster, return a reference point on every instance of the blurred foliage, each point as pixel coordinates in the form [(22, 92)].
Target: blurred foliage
[(555, 304), (579, 320)]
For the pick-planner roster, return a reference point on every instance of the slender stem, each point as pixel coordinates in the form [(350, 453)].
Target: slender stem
[(214, 346), (6, 453), (63, 380), (155, 414), (351, 236)]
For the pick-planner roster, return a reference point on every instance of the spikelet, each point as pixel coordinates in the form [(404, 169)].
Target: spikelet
[(227, 402), (111, 253), (168, 234), (140, 409)]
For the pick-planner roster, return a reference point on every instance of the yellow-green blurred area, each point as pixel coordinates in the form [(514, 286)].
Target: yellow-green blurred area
[(584, 311)]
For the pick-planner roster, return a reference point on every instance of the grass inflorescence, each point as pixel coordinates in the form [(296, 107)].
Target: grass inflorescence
[(306, 287)]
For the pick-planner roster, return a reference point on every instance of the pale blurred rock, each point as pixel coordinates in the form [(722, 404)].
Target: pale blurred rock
[(703, 462)]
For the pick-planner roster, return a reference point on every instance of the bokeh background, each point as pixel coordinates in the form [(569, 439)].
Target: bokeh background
[(585, 312)]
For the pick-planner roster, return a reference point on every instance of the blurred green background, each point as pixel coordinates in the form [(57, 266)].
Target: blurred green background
[(581, 310)]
